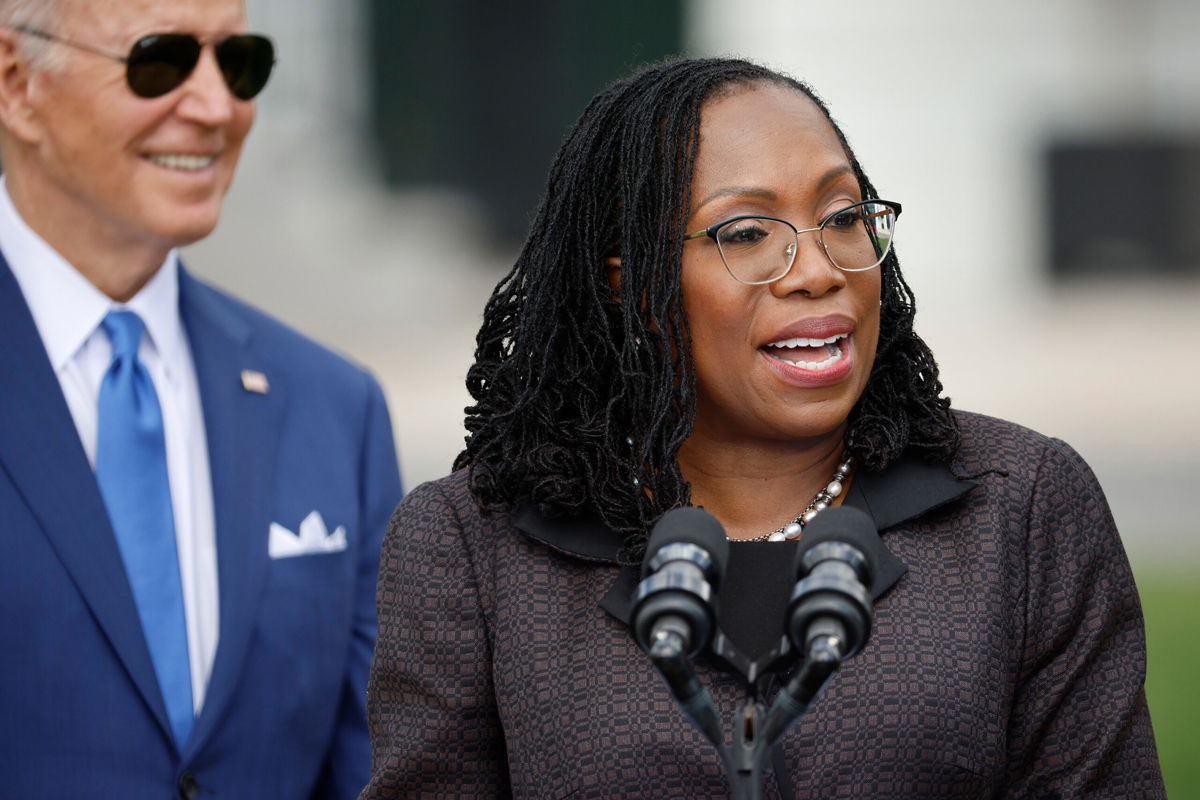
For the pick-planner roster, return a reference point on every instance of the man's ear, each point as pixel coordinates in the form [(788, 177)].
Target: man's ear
[(17, 113), (613, 265)]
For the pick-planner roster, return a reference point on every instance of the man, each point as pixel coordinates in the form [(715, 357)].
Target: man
[(192, 496)]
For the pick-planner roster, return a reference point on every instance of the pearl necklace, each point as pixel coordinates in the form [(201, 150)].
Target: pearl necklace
[(793, 529)]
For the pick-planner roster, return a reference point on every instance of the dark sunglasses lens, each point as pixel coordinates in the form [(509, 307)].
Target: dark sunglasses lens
[(246, 63), (159, 63)]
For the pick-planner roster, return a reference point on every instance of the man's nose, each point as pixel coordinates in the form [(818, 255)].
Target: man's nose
[(207, 98)]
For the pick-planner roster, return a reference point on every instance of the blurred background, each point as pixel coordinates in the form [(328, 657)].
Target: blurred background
[(1047, 155)]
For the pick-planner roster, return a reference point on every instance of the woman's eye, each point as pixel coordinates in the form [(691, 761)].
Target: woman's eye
[(844, 219), (744, 232)]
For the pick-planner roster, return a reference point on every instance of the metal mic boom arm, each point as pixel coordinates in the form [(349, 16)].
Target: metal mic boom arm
[(668, 654)]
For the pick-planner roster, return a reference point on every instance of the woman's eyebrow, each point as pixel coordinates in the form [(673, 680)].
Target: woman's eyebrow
[(762, 193), (833, 174), (757, 192)]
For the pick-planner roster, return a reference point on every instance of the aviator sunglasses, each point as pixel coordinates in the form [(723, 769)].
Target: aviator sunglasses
[(161, 62)]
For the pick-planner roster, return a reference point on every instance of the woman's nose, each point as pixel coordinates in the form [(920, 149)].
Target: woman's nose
[(812, 273)]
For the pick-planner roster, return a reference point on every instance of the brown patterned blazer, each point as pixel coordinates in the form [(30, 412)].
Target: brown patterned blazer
[(1007, 657)]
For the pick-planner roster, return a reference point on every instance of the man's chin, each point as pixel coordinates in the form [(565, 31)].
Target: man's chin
[(188, 228)]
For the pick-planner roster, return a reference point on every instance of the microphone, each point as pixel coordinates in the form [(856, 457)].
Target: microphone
[(684, 564), (673, 616), (830, 610), (829, 617)]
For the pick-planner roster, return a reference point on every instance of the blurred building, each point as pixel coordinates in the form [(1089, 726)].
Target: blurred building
[(478, 95), (1047, 155)]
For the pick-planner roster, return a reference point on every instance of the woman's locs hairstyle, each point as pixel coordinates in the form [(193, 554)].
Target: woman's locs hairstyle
[(585, 393)]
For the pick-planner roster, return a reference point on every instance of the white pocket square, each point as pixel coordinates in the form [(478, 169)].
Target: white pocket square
[(313, 537)]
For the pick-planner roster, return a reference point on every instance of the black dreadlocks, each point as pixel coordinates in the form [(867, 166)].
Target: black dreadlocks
[(583, 397)]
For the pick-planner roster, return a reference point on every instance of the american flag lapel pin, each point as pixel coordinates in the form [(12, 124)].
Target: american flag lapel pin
[(255, 381)]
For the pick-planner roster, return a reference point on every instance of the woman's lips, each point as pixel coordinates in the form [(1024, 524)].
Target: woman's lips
[(829, 326), (808, 361)]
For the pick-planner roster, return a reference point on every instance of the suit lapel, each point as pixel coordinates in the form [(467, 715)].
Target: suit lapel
[(243, 432), (41, 452)]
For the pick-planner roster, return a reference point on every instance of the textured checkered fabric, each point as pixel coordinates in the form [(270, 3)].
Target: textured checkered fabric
[(1007, 662)]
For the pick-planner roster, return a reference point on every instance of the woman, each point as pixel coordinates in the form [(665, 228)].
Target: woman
[(707, 312)]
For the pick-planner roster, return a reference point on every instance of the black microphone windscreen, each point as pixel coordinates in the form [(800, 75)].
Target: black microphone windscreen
[(690, 525), (841, 524)]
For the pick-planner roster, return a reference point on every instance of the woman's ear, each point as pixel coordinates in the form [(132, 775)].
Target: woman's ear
[(613, 265)]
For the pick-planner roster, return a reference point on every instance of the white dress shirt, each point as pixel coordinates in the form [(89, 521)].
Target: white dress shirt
[(68, 309)]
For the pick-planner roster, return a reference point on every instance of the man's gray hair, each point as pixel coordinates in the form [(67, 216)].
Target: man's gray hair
[(38, 15)]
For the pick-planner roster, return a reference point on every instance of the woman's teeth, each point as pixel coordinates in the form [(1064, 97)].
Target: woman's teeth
[(835, 355), (808, 342), (833, 351)]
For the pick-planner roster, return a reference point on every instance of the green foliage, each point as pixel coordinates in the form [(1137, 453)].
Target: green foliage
[(1171, 604)]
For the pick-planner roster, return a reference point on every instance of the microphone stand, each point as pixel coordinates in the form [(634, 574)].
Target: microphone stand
[(755, 728), (669, 656), (824, 658), (758, 729)]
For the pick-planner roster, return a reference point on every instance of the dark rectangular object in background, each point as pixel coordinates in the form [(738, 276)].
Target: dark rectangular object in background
[(1129, 207), (478, 95)]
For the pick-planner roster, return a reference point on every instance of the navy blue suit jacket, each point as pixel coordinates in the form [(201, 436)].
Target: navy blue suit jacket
[(81, 714)]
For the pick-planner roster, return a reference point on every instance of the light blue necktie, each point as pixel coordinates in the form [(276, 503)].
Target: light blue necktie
[(131, 468)]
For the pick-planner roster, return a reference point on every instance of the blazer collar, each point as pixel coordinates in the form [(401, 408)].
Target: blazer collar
[(243, 429), (907, 489)]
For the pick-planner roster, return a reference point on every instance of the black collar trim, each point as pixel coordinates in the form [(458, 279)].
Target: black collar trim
[(906, 489), (584, 537)]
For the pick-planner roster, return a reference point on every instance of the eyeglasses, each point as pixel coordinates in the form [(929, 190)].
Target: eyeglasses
[(161, 62), (758, 250)]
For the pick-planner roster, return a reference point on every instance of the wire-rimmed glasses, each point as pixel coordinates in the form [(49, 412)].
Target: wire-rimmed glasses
[(758, 250)]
